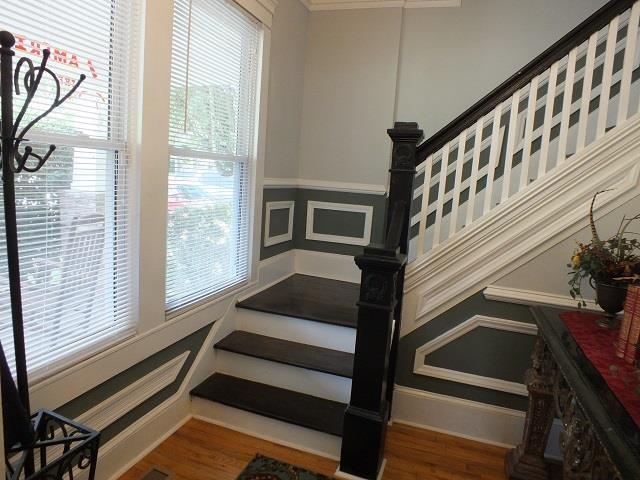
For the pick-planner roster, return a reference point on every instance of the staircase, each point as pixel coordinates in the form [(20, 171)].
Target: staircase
[(313, 360), (291, 360)]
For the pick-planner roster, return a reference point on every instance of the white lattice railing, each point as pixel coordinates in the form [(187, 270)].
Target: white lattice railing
[(559, 113)]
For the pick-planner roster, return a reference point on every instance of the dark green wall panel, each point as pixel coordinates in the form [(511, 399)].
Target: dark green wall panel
[(328, 221), (487, 358), (93, 397)]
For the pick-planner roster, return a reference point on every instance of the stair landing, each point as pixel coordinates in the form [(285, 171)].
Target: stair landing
[(309, 298)]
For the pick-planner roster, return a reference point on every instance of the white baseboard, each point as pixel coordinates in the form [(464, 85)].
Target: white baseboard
[(455, 416), (347, 476), (327, 265), (476, 421), (122, 452), (533, 298)]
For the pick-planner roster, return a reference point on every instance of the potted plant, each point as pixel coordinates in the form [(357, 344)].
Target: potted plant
[(610, 265)]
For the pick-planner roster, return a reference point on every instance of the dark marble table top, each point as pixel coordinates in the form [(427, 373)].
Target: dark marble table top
[(612, 424)]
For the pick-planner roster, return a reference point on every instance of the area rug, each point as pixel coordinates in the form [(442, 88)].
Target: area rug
[(265, 468)]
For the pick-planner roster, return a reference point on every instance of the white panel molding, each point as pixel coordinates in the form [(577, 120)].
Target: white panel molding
[(367, 210), (326, 185), (529, 223), (288, 235), (530, 297), (114, 407), (465, 327), (317, 5)]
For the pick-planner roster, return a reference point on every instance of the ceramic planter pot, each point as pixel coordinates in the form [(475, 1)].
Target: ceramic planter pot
[(611, 299)]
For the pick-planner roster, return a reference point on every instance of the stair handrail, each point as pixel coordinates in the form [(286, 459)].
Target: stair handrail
[(518, 80)]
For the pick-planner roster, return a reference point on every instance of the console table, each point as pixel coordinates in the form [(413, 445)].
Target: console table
[(600, 440)]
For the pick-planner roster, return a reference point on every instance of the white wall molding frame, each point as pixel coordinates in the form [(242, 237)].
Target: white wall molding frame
[(285, 237), (529, 223), (367, 210), (325, 185), (531, 297), (477, 321), (317, 5), (114, 407)]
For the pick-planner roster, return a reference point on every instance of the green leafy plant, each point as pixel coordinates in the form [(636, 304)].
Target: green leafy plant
[(614, 261)]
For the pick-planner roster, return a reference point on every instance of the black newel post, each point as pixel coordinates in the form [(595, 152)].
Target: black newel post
[(405, 137), (380, 303)]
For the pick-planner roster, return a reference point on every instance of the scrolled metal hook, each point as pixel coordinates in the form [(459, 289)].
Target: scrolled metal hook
[(31, 80)]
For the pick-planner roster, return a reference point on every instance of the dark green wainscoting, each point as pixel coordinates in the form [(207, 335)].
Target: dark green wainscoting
[(487, 352), (192, 343), (328, 222)]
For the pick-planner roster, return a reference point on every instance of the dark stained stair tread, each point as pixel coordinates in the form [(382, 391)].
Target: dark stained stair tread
[(286, 405), (310, 298), (290, 353)]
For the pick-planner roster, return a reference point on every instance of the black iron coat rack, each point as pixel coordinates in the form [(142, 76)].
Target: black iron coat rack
[(43, 445)]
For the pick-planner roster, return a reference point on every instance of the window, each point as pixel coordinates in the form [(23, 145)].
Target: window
[(211, 136), (73, 215)]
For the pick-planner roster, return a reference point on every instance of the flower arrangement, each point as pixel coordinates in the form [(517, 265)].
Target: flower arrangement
[(615, 261)]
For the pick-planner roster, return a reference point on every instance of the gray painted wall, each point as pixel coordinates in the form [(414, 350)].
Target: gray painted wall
[(286, 76), (448, 59), (327, 222), (349, 93), (451, 57), (548, 272)]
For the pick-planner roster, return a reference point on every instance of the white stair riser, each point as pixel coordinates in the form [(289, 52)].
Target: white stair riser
[(266, 428), (296, 330), (318, 384)]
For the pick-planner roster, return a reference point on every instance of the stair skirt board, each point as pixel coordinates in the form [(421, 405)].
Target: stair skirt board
[(318, 384), (276, 431), (296, 330)]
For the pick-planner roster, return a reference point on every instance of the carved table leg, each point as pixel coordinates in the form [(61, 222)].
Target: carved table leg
[(526, 461)]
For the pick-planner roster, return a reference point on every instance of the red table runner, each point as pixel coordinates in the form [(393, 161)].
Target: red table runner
[(599, 346)]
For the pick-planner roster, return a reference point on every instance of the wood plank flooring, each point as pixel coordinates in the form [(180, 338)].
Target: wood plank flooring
[(202, 451)]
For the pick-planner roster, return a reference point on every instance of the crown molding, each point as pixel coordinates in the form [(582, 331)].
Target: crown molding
[(320, 5)]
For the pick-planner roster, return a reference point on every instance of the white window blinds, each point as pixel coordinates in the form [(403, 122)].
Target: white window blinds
[(73, 215), (213, 100)]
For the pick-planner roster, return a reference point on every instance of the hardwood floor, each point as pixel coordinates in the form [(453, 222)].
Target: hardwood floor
[(200, 451)]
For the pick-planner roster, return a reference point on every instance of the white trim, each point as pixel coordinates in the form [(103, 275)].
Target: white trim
[(114, 407), (477, 321), (551, 209), (530, 297), (347, 476), (263, 10), (327, 265), (285, 237), (325, 185), (266, 428), (456, 416), (367, 210), (317, 5)]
